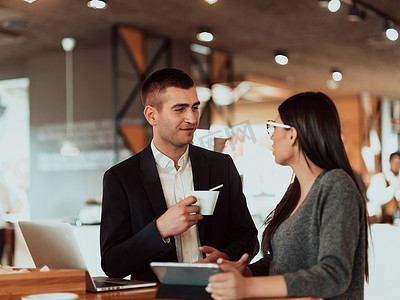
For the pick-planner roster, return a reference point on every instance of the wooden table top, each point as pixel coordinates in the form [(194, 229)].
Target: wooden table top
[(136, 294)]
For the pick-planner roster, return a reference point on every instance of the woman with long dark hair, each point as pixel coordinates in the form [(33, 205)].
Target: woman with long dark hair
[(315, 243)]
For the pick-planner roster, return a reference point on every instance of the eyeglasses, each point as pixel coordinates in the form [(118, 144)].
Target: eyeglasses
[(271, 126)]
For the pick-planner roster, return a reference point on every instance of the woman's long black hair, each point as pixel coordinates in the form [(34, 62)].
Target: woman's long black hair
[(316, 120)]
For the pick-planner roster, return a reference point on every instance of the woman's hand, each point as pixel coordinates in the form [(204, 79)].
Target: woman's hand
[(240, 265), (230, 284), (212, 255)]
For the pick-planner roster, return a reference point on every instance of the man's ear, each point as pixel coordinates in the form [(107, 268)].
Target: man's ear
[(293, 135), (150, 113)]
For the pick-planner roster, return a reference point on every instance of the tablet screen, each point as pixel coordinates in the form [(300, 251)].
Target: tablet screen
[(184, 273)]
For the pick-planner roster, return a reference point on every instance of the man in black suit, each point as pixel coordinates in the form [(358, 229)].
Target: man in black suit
[(147, 211)]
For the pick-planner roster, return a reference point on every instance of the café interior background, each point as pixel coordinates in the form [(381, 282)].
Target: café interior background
[(247, 34)]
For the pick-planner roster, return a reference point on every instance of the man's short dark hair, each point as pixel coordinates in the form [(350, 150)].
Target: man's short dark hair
[(160, 80), (397, 153)]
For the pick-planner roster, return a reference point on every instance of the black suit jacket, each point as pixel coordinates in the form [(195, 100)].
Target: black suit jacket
[(133, 199)]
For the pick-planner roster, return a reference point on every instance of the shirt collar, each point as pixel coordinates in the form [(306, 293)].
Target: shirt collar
[(167, 163)]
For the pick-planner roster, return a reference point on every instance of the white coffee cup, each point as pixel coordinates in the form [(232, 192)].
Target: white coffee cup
[(206, 200)]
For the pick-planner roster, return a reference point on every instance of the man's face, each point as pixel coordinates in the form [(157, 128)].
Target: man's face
[(395, 164), (177, 118)]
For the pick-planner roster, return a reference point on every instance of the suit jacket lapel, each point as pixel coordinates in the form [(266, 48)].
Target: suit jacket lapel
[(151, 181), (201, 180)]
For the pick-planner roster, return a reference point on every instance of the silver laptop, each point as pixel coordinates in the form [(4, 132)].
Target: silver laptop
[(54, 245)]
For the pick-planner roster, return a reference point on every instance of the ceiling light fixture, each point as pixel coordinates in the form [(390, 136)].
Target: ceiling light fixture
[(97, 4), (200, 49), (336, 75), (355, 14), (334, 5), (221, 94), (281, 58), (69, 148), (211, 1), (391, 32), (30, 1), (205, 35), (203, 93)]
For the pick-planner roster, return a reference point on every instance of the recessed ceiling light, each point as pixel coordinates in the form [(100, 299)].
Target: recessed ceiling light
[(334, 5), (211, 1), (281, 58), (337, 75), (391, 32), (205, 35), (97, 4)]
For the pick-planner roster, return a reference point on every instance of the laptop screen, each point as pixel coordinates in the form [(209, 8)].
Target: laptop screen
[(52, 244)]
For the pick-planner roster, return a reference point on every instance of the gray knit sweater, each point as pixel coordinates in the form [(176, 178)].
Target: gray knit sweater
[(320, 249)]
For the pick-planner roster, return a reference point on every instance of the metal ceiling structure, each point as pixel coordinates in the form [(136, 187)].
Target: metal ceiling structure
[(315, 39)]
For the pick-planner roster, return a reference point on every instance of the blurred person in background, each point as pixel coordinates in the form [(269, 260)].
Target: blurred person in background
[(384, 191)]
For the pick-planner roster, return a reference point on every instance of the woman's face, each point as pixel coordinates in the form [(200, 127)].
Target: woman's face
[(282, 144)]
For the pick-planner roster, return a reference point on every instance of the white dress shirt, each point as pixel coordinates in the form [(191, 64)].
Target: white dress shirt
[(379, 193), (178, 185)]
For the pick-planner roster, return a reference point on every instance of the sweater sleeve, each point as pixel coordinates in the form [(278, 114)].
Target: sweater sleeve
[(340, 216)]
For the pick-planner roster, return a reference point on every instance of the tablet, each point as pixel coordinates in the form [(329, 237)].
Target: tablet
[(174, 273)]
